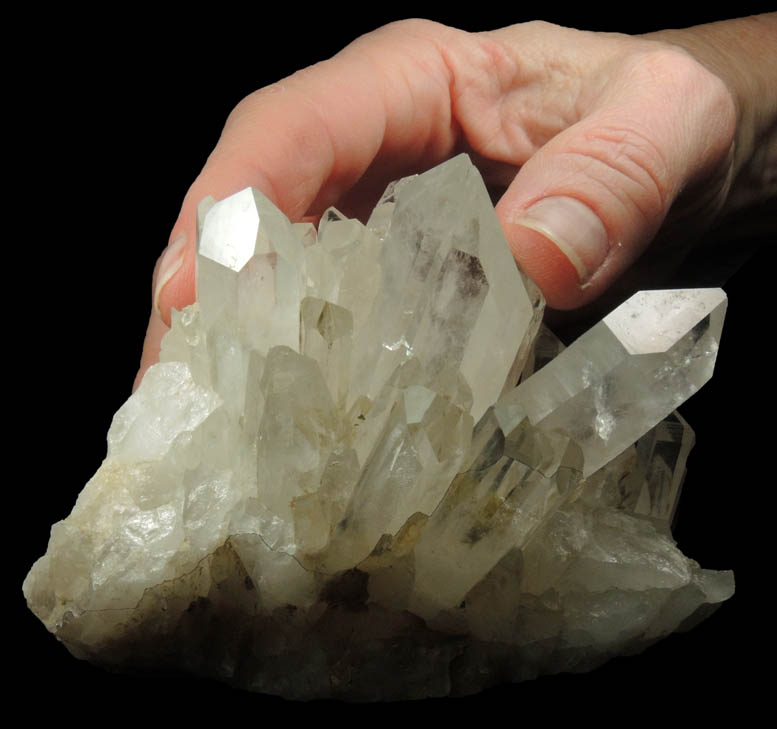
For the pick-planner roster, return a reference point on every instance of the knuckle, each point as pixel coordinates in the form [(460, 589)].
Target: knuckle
[(248, 104), (410, 26), (670, 63), (630, 165), (243, 110), (678, 80)]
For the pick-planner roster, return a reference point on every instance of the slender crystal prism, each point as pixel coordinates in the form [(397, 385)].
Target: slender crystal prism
[(624, 375)]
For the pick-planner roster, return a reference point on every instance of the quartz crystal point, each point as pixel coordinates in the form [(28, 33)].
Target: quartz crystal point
[(624, 375), (330, 485)]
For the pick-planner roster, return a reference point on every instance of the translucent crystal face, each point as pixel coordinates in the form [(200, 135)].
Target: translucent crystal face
[(624, 375), (333, 444)]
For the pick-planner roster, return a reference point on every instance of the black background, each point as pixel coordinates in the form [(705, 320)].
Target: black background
[(112, 119)]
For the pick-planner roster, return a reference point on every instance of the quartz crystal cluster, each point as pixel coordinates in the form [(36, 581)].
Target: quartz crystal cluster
[(363, 469)]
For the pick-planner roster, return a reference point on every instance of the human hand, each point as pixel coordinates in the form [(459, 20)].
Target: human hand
[(590, 138)]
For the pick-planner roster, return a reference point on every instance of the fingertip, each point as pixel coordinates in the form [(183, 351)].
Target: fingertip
[(544, 262), (173, 285)]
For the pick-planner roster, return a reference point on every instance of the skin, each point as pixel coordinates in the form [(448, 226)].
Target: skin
[(639, 140)]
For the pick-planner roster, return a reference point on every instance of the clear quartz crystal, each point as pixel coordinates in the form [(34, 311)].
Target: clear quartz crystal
[(625, 374), (331, 475)]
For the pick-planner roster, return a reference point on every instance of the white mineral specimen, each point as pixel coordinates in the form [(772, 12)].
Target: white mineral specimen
[(330, 485)]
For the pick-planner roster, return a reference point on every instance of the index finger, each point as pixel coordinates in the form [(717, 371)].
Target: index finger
[(377, 110)]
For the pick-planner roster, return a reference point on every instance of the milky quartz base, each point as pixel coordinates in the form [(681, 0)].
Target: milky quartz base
[(330, 485)]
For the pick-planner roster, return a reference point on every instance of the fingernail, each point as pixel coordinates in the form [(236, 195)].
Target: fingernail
[(574, 228), (171, 261)]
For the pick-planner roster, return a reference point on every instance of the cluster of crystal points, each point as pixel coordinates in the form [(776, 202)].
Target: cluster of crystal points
[(331, 486)]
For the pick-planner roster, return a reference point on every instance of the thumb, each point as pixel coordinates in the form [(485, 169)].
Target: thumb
[(587, 204)]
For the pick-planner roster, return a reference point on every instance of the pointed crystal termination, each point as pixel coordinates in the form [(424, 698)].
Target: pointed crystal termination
[(627, 373), (250, 262)]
